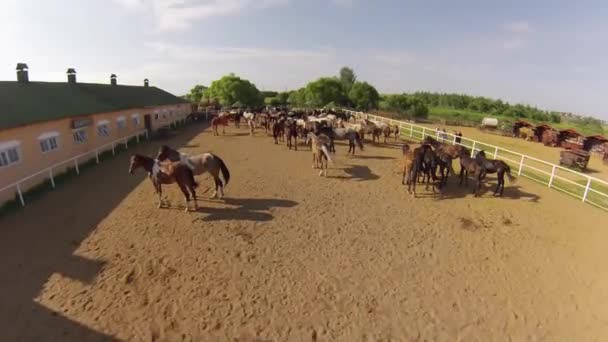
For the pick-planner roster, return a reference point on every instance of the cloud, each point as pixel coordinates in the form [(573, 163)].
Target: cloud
[(173, 15), (513, 44), (518, 27), (395, 59)]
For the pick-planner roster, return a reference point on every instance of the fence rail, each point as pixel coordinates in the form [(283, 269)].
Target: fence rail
[(49, 170), (586, 188)]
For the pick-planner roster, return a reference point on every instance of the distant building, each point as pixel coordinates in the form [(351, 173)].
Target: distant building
[(44, 123)]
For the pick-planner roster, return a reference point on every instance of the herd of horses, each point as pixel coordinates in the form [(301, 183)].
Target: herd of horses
[(431, 163)]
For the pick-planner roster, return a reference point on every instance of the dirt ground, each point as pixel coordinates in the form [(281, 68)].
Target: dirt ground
[(291, 256)]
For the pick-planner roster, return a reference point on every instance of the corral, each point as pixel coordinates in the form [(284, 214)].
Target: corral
[(291, 256)]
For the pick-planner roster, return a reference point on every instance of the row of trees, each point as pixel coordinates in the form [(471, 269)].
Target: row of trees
[(486, 105), (344, 90)]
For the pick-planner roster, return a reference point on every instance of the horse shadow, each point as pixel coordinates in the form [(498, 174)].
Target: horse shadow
[(244, 209), (364, 157), (456, 191), (359, 173)]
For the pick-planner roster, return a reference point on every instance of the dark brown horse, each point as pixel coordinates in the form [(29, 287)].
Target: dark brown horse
[(219, 121), (291, 132), (278, 130), (453, 150), (167, 173), (495, 166), (468, 166)]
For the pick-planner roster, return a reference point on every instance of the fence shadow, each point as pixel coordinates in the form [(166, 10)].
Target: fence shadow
[(40, 240)]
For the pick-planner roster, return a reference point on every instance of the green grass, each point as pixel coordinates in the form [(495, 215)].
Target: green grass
[(457, 117)]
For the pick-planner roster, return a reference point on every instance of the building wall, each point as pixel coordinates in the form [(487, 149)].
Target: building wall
[(33, 160)]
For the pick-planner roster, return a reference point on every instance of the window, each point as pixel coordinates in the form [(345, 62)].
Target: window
[(103, 128), (135, 118), (80, 136), (9, 153), (48, 141), (121, 122)]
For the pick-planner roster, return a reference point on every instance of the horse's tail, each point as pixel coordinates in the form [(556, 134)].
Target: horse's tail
[(512, 179), (326, 152), (224, 169)]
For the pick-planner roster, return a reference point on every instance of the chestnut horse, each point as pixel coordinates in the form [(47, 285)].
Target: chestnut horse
[(167, 173), (220, 120)]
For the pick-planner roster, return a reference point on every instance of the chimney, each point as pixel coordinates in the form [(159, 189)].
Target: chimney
[(22, 75), (71, 76), (113, 79), (146, 83)]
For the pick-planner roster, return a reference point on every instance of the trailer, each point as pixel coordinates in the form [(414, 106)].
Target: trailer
[(574, 159)]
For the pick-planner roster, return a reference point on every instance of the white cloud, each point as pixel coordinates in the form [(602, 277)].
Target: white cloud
[(180, 14), (518, 27), (513, 44)]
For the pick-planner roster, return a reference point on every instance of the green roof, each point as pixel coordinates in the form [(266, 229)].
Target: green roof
[(26, 103)]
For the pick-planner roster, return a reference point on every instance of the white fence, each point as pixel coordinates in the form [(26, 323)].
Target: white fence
[(586, 188), (49, 170)]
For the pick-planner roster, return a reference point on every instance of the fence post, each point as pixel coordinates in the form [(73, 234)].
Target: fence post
[(147, 135), (587, 189), (552, 175), (473, 149), (423, 132), (137, 138), (113, 153), (521, 164), (495, 152), (411, 130), (454, 139), (52, 178), (126, 143), (97, 155), (20, 195), (76, 165)]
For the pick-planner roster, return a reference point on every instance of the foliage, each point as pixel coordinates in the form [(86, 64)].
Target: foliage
[(347, 78), (196, 93), (231, 89), (364, 96), (323, 91), (407, 106)]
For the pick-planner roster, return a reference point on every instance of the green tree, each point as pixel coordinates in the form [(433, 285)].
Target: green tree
[(364, 96), (323, 91), (231, 89), (197, 93), (347, 78)]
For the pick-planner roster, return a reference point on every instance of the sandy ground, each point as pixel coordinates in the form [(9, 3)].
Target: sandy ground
[(290, 256)]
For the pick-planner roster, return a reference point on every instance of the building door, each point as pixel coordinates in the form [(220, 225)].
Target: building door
[(148, 122)]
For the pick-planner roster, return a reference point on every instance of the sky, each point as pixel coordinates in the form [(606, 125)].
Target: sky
[(547, 53)]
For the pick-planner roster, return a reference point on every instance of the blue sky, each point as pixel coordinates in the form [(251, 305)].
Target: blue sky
[(547, 53)]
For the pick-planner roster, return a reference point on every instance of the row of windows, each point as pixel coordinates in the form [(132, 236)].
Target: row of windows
[(10, 154)]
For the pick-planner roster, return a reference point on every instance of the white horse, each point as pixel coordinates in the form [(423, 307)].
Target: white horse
[(320, 150)]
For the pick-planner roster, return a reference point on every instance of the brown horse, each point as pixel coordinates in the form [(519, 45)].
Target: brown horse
[(470, 165), (220, 120), (453, 151), (199, 164), (320, 151), (167, 173), (408, 168)]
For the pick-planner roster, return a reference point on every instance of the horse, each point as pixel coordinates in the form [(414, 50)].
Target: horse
[(443, 162), (453, 151), (250, 117), (278, 129), (395, 130), (199, 164), (349, 134), (320, 151), (219, 120), (408, 163), (167, 173), (470, 165), (495, 166), (291, 131), (424, 161)]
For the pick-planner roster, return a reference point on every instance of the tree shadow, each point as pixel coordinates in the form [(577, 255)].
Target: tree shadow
[(41, 239), (244, 209)]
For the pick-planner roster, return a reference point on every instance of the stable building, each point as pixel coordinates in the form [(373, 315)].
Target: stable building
[(45, 123)]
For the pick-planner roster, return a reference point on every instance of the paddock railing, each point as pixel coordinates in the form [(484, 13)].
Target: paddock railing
[(579, 185), (74, 160)]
